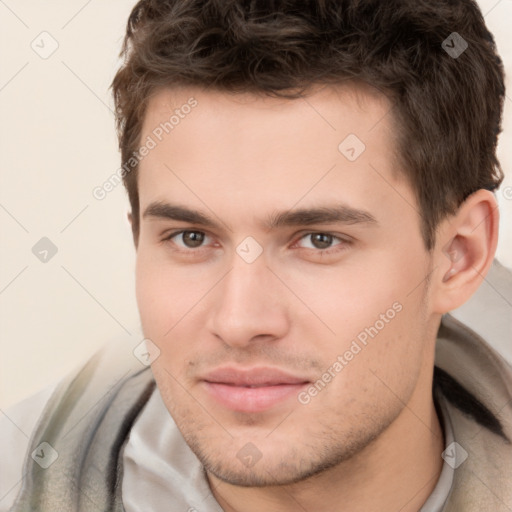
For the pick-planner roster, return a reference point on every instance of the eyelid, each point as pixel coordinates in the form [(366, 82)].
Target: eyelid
[(340, 236)]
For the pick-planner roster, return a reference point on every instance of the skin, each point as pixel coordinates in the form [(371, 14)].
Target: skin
[(370, 439)]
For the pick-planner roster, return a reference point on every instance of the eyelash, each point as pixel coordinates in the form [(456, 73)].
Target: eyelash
[(193, 252)]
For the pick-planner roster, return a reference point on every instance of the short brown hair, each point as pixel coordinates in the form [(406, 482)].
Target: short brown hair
[(447, 107)]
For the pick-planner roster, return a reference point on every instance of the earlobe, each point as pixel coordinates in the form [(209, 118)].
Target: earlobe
[(465, 250)]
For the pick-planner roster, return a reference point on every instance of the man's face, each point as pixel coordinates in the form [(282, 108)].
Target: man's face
[(285, 349)]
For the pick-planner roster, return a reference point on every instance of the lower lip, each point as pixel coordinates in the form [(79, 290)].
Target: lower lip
[(243, 399)]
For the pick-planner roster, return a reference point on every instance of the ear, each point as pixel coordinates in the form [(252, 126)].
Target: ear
[(130, 220), (465, 247)]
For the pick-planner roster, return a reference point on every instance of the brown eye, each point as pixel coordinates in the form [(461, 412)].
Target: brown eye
[(323, 243), (192, 239), (321, 240), (187, 239)]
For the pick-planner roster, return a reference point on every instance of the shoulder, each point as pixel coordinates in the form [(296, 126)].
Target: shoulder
[(75, 404), (16, 426), (475, 378), (474, 346)]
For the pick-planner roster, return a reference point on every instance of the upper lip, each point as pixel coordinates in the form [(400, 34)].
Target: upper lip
[(261, 376)]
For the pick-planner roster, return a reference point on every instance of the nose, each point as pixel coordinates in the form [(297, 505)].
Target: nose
[(249, 305)]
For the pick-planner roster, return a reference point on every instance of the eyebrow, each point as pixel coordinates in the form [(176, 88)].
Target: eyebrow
[(287, 218)]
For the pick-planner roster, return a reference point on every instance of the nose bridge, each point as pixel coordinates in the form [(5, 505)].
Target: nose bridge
[(248, 303), (246, 287)]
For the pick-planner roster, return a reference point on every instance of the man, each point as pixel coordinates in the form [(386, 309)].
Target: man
[(311, 189)]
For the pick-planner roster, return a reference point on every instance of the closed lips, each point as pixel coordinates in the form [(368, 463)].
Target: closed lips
[(252, 378)]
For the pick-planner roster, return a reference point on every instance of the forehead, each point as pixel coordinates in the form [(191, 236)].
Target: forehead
[(212, 147), (323, 110)]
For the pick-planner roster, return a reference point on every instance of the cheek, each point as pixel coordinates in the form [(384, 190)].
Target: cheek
[(349, 298), (147, 288), (374, 309), (169, 301), (157, 299), (374, 377)]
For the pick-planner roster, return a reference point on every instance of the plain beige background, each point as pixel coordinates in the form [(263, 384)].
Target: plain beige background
[(58, 143)]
